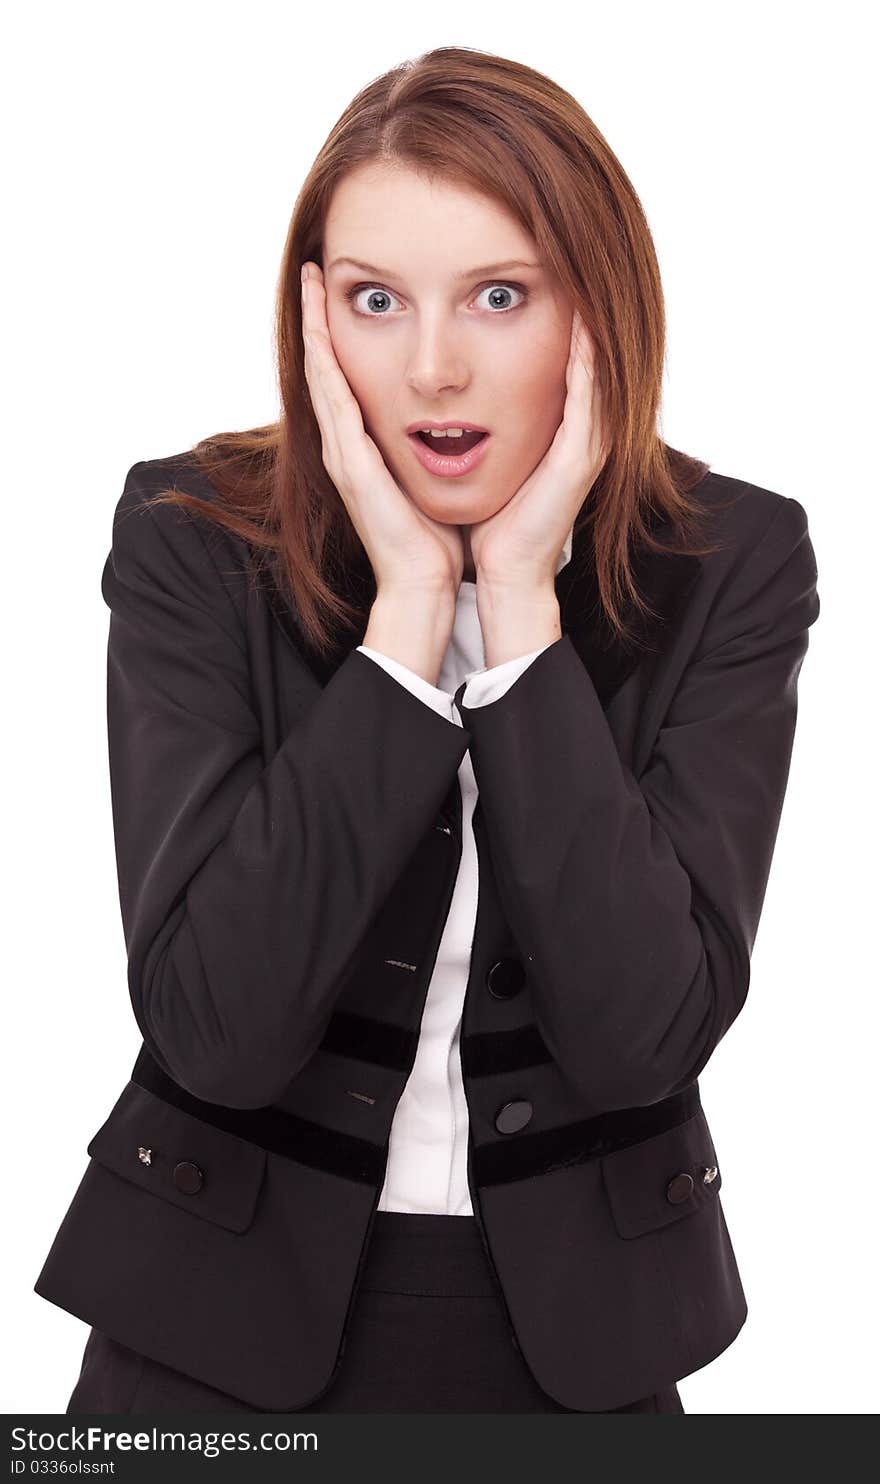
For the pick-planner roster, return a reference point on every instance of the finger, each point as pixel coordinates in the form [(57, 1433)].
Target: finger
[(598, 431), (580, 379), (579, 370), (583, 412), (338, 402), (582, 345), (335, 407), (569, 365), (572, 344), (316, 383)]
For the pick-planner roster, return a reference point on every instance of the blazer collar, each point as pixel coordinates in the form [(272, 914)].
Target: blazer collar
[(663, 578)]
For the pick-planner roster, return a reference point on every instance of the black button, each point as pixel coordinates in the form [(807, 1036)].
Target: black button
[(187, 1177), (513, 1116), (679, 1189), (506, 978)]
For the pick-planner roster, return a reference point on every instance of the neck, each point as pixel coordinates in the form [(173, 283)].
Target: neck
[(469, 574)]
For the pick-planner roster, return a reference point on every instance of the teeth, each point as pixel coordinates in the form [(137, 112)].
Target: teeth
[(444, 433)]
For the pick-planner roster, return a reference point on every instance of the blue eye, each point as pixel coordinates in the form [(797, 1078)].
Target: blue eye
[(376, 295), (505, 288), (374, 291)]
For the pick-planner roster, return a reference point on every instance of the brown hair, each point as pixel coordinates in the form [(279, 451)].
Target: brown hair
[(516, 136)]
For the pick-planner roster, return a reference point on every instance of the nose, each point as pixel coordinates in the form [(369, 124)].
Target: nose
[(437, 362)]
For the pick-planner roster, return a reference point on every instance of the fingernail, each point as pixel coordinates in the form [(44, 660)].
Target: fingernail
[(302, 273)]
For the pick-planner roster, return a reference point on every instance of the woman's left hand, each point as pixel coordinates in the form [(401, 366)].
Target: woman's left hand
[(520, 545)]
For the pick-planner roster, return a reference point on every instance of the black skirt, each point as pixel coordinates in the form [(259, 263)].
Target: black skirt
[(428, 1333)]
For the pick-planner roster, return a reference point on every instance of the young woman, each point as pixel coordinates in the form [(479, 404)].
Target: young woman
[(450, 721)]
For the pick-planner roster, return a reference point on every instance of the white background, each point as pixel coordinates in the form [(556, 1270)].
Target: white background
[(153, 155)]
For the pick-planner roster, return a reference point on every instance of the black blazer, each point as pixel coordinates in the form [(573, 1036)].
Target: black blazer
[(288, 834)]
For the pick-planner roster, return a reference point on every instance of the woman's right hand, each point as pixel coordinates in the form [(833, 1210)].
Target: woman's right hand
[(407, 549)]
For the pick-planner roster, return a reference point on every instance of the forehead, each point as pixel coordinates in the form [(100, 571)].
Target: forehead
[(390, 214)]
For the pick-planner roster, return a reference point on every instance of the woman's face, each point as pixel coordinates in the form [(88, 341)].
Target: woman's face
[(445, 339)]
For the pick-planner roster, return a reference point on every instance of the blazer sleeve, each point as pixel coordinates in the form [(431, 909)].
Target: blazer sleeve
[(636, 901), (245, 886)]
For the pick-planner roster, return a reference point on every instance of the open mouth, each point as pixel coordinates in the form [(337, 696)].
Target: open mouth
[(451, 447), (450, 457)]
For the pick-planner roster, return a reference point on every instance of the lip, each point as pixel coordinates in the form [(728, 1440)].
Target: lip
[(453, 422), (445, 465)]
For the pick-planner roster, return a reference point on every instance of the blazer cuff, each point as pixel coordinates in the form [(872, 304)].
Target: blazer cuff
[(480, 686), (432, 695), (484, 686)]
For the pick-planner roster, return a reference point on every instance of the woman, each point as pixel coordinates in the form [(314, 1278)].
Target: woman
[(445, 791)]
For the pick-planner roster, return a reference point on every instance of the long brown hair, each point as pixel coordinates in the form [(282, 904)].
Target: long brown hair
[(516, 136)]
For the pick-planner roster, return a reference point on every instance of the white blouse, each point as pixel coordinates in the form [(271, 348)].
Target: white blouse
[(427, 1155)]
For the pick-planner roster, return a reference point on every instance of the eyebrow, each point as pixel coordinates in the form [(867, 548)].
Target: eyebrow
[(469, 273)]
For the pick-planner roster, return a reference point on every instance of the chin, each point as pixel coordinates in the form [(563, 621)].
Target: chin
[(446, 515), (465, 512)]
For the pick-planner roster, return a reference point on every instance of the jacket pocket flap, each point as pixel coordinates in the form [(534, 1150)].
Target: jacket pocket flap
[(203, 1169), (661, 1179)]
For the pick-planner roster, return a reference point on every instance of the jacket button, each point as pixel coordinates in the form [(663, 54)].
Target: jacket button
[(513, 1116), (187, 1177), (679, 1188), (506, 978)]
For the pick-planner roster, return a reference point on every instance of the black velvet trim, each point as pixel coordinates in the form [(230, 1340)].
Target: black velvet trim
[(503, 1051), (279, 1132), (377, 1041), (499, 1163), (522, 1155)]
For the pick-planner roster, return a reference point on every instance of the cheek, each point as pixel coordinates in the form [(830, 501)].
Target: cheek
[(532, 386), (535, 402), (372, 381)]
